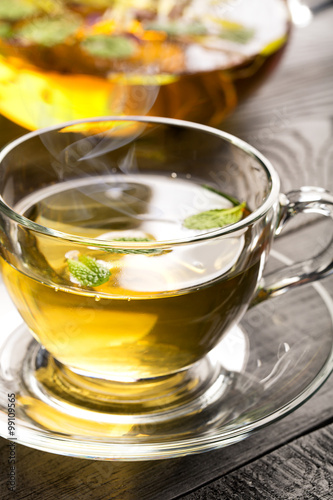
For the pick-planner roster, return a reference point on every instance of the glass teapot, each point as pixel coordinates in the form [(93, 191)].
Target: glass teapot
[(189, 59)]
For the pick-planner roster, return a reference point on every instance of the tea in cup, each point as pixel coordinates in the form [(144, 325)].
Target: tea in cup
[(130, 247)]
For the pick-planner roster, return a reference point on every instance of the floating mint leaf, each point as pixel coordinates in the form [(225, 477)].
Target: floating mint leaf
[(176, 29), (110, 47), (239, 35), (5, 30), (235, 32), (127, 238), (88, 271), (212, 219), (15, 10), (49, 31), (133, 250)]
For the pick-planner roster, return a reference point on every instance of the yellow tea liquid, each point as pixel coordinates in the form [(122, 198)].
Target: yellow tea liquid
[(188, 60), (158, 312)]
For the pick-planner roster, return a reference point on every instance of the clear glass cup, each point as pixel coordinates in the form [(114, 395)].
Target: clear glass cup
[(113, 256)]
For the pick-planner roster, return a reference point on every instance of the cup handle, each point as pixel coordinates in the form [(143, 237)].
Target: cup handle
[(305, 200)]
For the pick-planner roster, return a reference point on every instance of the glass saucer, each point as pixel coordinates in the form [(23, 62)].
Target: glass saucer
[(278, 356)]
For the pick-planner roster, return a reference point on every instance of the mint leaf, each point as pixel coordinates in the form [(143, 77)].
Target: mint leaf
[(237, 34), (49, 31), (15, 10), (212, 219), (178, 28), (133, 250), (127, 238), (88, 271), (110, 47), (5, 30)]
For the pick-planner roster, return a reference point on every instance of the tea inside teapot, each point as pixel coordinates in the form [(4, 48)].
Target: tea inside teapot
[(194, 60)]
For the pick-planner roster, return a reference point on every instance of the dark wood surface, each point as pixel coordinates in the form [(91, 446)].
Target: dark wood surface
[(291, 120)]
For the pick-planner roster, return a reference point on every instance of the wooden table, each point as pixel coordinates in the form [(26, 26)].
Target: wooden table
[(290, 120)]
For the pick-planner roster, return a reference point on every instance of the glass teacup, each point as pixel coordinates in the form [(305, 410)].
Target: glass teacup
[(130, 247)]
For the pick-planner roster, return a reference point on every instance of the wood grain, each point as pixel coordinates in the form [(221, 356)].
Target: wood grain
[(302, 469)]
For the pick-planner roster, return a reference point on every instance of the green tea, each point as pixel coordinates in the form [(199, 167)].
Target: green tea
[(157, 310)]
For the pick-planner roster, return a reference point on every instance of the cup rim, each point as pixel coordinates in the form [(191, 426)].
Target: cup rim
[(271, 173)]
